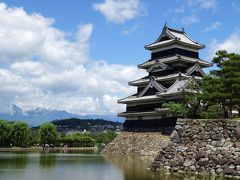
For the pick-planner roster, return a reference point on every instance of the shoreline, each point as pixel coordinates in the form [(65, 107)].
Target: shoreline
[(40, 149)]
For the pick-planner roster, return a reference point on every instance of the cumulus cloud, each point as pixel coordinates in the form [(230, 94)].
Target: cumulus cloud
[(40, 67), (231, 44), (23, 35), (213, 26), (119, 11)]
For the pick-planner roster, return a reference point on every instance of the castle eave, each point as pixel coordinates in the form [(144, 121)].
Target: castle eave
[(133, 114), (171, 59), (135, 98), (171, 95), (159, 79), (172, 41), (162, 110)]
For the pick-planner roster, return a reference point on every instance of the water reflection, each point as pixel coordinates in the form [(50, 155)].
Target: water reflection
[(75, 165), (47, 160), (136, 168), (133, 167), (12, 161)]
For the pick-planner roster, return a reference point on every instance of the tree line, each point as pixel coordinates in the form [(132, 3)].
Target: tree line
[(19, 134), (216, 95)]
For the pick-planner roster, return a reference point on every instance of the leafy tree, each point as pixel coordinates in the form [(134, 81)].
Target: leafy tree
[(213, 92), (223, 86), (105, 138), (20, 133), (212, 112), (48, 133), (231, 79), (220, 57), (191, 104), (35, 137), (193, 99), (218, 91), (5, 133), (77, 140), (176, 108)]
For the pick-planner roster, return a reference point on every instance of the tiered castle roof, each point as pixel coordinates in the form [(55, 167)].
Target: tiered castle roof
[(173, 36), (174, 63)]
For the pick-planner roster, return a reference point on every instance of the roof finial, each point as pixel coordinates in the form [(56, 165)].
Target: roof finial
[(165, 25), (183, 29)]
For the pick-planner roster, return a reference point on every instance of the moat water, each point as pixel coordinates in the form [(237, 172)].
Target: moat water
[(77, 165)]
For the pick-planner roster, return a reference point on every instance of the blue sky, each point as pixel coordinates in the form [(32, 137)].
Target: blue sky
[(203, 20), (85, 52)]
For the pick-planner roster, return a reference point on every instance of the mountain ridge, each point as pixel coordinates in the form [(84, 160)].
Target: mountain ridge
[(37, 116)]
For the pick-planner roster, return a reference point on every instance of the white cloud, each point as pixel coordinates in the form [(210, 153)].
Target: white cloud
[(40, 67), (33, 34), (187, 20), (131, 29), (119, 11), (213, 26), (231, 44), (195, 5), (208, 4), (110, 103), (28, 68)]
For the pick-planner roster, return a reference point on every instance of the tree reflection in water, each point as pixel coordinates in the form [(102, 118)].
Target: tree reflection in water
[(13, 161), (136, 168), (39, 166), (47, 160)]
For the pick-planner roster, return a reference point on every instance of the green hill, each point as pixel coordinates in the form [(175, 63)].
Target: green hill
[(91, 125)]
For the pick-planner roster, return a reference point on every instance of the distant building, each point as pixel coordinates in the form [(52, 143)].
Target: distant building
[(174, 63), (83, 125)]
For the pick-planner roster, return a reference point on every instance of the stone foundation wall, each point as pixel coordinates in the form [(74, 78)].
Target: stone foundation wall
[(137, 143), (202, 146)]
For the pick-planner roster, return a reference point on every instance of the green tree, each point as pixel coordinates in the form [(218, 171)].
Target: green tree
[(77, 140), (212, 112), (35, 137), (176, 108), (48, 133), (220, 57), (213, 92), (222, 86), (104, 137), (193, 99), (231, 79), (218, 93), (20, 133), (191, 102), (5, 133)]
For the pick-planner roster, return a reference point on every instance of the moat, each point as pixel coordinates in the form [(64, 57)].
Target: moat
[(77, 165)]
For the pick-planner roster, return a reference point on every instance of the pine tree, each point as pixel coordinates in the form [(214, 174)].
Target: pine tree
[(220, 90), (213, 92), (222, 86), (231, 79)]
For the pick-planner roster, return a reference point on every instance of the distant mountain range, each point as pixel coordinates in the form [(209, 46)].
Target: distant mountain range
[(38, 116)]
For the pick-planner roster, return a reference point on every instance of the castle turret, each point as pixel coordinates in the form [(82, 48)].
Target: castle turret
[(174, 63)]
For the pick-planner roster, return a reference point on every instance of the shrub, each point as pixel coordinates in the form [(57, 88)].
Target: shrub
[(212, 112)]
